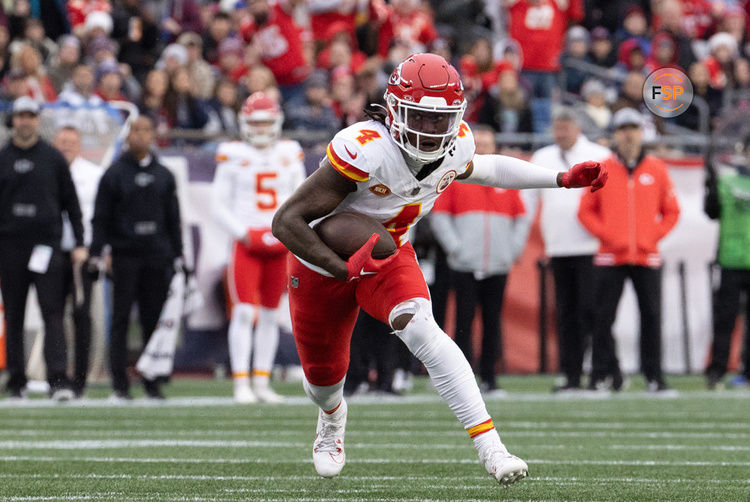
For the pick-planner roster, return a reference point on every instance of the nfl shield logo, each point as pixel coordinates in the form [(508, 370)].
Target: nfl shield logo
[(294, 282)]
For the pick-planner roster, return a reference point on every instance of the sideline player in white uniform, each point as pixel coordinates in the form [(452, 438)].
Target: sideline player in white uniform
[(253, 178), (392, 168)]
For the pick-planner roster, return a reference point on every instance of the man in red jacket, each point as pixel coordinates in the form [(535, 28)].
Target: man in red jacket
[(635, 210)]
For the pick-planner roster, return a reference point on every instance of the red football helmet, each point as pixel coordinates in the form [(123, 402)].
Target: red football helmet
[(425, 101), (260, 120)]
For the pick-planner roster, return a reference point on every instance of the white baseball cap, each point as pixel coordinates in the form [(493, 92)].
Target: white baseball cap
[(26, 104)]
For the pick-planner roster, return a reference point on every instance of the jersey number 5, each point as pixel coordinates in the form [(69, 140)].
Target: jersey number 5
[(399, 224), (269, 202)]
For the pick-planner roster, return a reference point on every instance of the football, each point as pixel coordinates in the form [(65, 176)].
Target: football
[(346, 232)]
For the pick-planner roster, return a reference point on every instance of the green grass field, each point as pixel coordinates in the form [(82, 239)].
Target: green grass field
[(198, 446)]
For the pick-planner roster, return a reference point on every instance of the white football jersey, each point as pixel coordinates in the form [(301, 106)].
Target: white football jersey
[(386, 188), (251, 183)]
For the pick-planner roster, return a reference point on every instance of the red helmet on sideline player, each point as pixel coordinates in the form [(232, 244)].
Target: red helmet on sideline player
[(425, 101), (260, 120)]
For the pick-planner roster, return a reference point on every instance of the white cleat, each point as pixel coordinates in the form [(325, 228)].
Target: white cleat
[(328, 449), (244, 395), (506, 468), (267, 395)]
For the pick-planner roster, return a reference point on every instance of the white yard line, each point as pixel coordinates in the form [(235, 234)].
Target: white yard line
[(301, 460), (379, 400)]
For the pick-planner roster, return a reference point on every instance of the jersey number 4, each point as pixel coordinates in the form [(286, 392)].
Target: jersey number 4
[(399, 224), (367, 135), (269, 202)]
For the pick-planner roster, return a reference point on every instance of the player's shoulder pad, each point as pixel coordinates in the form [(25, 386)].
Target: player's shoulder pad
[(465, 147), (293, 148), (352, 150), (228, 149)]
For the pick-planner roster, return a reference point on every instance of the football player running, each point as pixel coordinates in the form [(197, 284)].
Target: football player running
[(253, 177), (392, 168)]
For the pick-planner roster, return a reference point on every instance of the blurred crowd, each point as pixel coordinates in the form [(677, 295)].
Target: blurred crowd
[(189, 64)]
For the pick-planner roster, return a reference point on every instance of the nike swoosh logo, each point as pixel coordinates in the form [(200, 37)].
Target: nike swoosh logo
[(362, 272), (352, 155)]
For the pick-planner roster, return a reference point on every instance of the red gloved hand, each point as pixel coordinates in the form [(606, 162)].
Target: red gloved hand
[(361, 264), (585, 174)]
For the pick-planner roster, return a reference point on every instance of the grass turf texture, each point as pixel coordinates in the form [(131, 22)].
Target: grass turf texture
[(627, 447)]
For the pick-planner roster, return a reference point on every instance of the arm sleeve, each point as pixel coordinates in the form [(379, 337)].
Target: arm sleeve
[(172, 208), (502, 171), (221, 194), (69, 201), (103, 208)]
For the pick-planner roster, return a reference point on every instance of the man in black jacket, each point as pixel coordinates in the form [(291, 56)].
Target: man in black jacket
[(35, 189), (138, 215)]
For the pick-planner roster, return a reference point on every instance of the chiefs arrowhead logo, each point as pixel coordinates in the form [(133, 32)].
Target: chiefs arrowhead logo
[(380, 190)]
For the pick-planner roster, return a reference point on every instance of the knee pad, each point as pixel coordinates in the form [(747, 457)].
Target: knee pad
[(243, 313), (422, 335)]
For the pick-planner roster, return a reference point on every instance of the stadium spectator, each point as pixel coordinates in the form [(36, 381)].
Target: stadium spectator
[(339, 53), (80, 90), (152, 103), (79, 10), (200, 71), (663, 53), (219, 28), (671, 21), (4, 50), (741, 74), (36, 189), (631, 96), (100, 49), (631, 57), (279, 40), (595, 106), (137, 35), (109, 82), (539, 25), (184, 110), (78, 281), (340, 49), (701, 79), (326, 13), (483, 230), (723, 51), (223, 109), (260, 79), (602, 51), (634, 27), (726, 200), (63, 63), (253, 178), (507, 110), (639, 185), (315, 113), (231, 54), (40, 87), (409, 24), (98, 24), (479, 69), (138, 215), (179, 16), (52, 15), (173, 57), (577, 45), (34, 35), (15, 85), (568, 245), (371, 81)]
